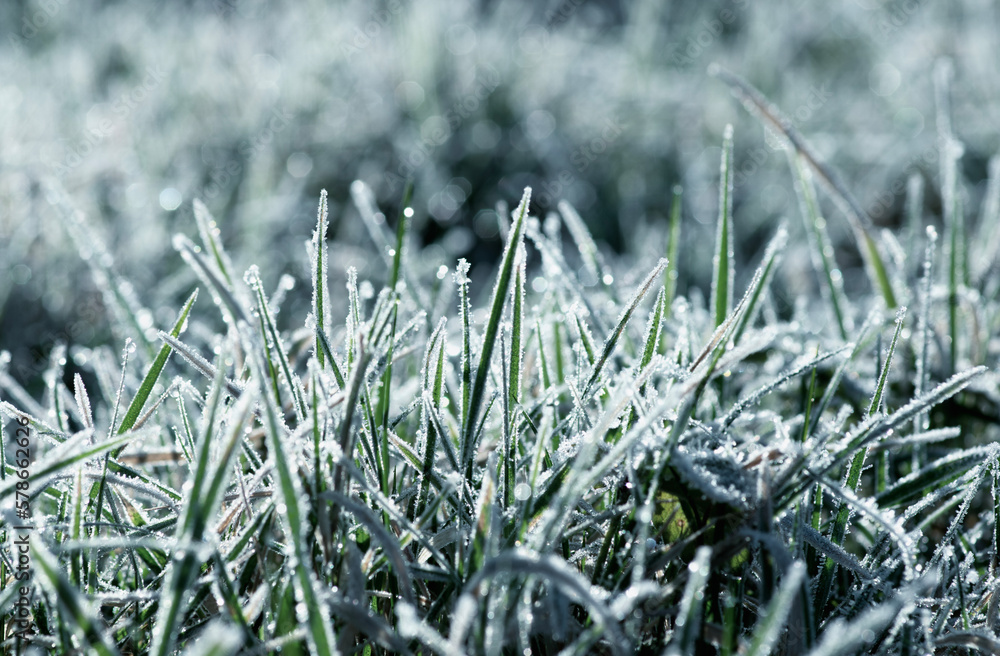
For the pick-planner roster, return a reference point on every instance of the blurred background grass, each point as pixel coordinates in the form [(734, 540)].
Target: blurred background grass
[(253, 106)]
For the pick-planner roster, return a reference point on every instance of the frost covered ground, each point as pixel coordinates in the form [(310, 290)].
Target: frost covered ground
[(645, 359)]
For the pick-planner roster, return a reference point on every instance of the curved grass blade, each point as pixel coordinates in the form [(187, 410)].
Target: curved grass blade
[(389, 542), (555, 572), (762, 109)]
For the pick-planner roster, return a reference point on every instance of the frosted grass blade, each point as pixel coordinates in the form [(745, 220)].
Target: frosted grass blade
[(623, 319), (319, 624), (853, 479), (492, 327), (723, 271), (275, 346), (209, 232), (762, 109), (688, 623), (74, 607), (772, 255), (146, 387), (321, 294), (820, 246), (768, 628), (592, 259), (673, 249)]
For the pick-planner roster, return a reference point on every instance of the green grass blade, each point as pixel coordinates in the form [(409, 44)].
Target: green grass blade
[(673, 249), (146, 387), (319, 625), (275, 346), (517, 332), (918, 484), (208, 480), (853, 479), (382, 407), (954, 224), (763, 110), (769, 627), (876, 401), (772, 255), (71, 602), (434, 381), (319, 277), (722, 263), (820, 246), (56, 461), (688, 623), (465, 312), (623, 319), (500, 292), (653, 329)]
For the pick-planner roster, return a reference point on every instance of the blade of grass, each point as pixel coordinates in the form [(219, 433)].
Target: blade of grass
[(208, 480), (275, 346), (762, 109), (820, 246), (382, 407), (319, 624), (623, 319), (209, 232), (766, 633), (319, 277), (72, 603), (146, 387), (722, 263), (772, 256), (673, 249), (853, 479), (588, 249), (492, 327)]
